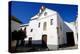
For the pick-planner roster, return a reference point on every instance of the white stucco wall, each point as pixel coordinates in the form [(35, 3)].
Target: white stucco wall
[(51, 31), (61, 35)]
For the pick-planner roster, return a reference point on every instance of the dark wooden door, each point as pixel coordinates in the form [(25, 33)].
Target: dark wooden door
[(70, 39), (44, 40)]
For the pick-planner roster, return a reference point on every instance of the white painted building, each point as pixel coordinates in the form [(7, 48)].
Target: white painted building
[(15, 24), (47, 25)]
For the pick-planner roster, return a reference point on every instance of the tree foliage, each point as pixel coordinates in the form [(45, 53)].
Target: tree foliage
[(18, 35)]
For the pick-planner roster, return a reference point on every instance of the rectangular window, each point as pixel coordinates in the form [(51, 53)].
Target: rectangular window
[(44, 25), (60, 27), (51, 22), (58, 30), (39, 25)]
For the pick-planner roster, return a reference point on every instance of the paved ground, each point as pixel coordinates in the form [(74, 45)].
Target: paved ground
[(71, 47), (30, 49), (33, 49)]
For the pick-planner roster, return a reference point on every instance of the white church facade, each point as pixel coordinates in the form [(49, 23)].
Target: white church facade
[(47, 25)]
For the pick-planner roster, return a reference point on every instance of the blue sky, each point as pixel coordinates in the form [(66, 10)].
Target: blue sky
[(25, 10)]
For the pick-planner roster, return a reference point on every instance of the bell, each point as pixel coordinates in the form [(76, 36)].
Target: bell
[(42, 8)]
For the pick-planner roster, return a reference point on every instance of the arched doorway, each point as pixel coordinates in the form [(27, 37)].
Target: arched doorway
[(44, 40)]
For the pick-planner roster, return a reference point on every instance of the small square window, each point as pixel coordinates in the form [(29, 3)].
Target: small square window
[(45, 13), (31, 30)]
